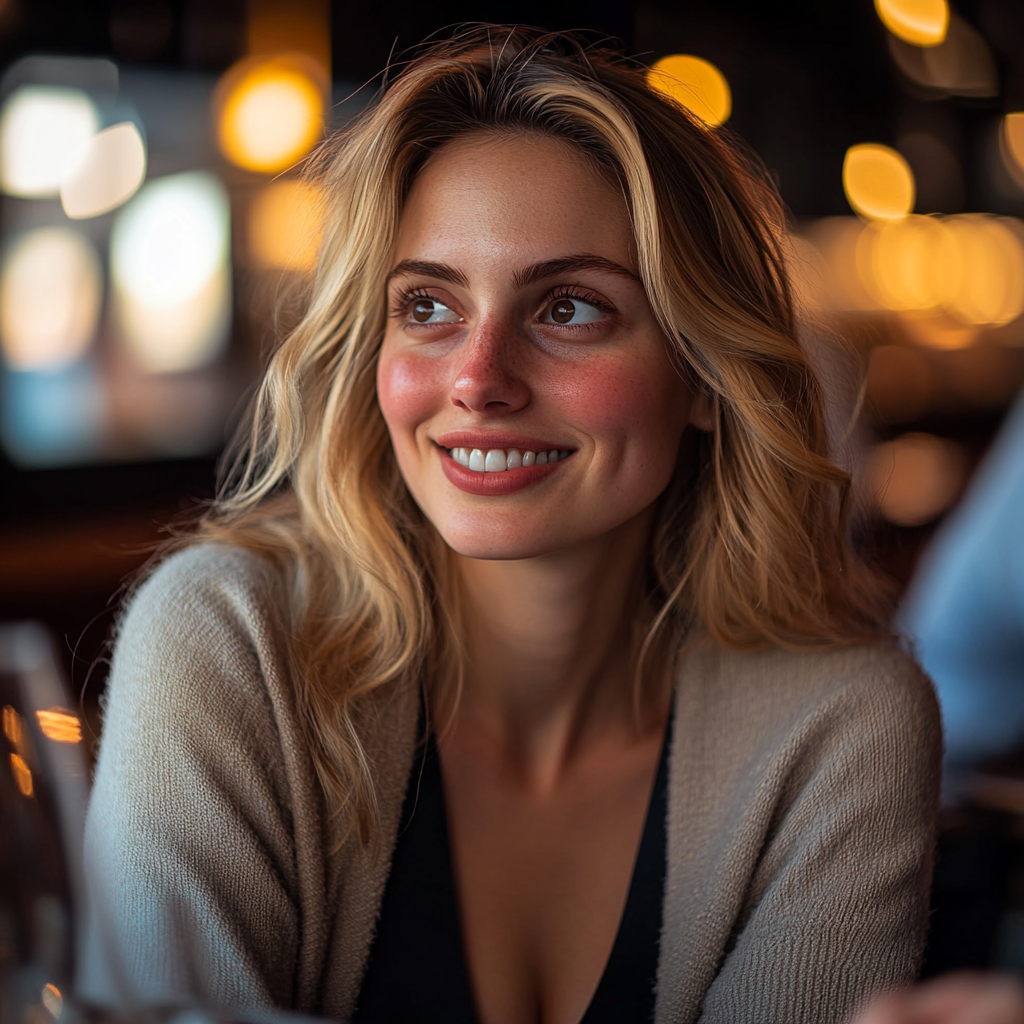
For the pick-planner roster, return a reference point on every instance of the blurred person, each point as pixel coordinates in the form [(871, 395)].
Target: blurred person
[(964, 998), (965, 609), (521, 672)]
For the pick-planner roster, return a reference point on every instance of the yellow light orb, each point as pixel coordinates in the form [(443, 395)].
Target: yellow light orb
[(915, 477), (920, 22), (1012, 144), (896, 260), (51, 295), (284, 226), (271, 114), (693, 83), (878, 182), (981, 269)]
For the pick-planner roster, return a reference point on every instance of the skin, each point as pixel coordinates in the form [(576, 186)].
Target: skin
[(547, 770), (954, 999)]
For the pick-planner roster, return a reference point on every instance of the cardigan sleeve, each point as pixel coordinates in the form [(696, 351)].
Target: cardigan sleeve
[(191, 861), (836, 907)]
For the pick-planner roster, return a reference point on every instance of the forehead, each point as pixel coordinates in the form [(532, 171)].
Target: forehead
[(527, 196)]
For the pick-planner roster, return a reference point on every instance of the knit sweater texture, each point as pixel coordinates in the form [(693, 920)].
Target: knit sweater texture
[(802, 803)]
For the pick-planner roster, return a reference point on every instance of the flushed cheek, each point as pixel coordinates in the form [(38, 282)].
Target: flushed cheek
[(614, 396), (410, 389)]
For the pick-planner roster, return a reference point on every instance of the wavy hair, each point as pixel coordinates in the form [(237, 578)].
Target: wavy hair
[(749, 540)]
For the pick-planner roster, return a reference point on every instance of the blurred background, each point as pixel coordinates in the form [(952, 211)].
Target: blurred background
[(155, 232)]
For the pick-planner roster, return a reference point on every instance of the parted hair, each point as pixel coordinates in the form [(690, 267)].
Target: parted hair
[(749, 541)]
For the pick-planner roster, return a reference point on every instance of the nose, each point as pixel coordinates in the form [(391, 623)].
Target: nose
[(488, 377)]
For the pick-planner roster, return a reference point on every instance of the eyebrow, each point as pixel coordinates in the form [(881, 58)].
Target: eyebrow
[(522, 278), (567, 264), (424, 268)]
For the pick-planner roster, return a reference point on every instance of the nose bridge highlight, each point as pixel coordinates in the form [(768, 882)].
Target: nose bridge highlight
[(487, 374)]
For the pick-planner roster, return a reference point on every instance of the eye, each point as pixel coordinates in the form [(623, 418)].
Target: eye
[(430, 311), (572, 312)]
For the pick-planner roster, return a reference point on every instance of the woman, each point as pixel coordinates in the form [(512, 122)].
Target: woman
[(524, 675)]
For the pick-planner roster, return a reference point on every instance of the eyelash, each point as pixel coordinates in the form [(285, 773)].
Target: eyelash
[(406, 298), (580, 295)]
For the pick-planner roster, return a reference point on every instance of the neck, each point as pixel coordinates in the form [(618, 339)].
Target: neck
[(550, 648)]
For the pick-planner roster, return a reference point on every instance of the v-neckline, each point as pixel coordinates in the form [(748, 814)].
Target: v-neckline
[(418, 969)]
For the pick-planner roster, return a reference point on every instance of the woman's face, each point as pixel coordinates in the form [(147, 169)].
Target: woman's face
[(523, 377)]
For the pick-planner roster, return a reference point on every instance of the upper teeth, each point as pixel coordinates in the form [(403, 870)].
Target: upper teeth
[(496, 459)]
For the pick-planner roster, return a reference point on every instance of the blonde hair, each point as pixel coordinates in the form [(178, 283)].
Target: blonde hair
[(749, 539)]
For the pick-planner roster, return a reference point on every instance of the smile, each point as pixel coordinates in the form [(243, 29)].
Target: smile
[(497, 460)]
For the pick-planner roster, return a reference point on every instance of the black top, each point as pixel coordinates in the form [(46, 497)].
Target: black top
[(417, 973)]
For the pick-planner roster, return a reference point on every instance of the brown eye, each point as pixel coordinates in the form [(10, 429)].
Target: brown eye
[(422, 310), (563, 311)]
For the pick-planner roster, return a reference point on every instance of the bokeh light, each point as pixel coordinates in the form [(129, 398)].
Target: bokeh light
[(284, 226), (1011, 141), (915, 477), (22, 774), (878, 182), (693, 83), (921, 22), (43, 132), (961, 65), (107, 174), (981, 269), (61, 726), (947, 276), (53, 417), (52, 999), (51, 289), (896, 262), (270, 113), (169, 252)]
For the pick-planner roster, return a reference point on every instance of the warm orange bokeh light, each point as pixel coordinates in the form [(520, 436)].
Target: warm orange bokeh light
[(22, 774), (878, 182), (895, 260), (693, 83), (271, 113), (981, 269), (921, 22), (915, 477), (14, 730), (1012, 144), (284, 227), (948, 277), (59, 725)]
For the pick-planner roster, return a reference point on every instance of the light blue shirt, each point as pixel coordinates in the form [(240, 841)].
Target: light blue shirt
[(965, 606)]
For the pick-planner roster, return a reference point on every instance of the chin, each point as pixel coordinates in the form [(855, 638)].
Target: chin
[(484, 544), (514, 537)]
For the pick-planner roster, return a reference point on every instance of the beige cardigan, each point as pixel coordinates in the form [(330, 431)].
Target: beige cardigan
[(802, 800)]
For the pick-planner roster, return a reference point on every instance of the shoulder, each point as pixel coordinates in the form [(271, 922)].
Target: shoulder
[(209, 621), (203, 576), (205, 591), (864, 674), (776, 698)]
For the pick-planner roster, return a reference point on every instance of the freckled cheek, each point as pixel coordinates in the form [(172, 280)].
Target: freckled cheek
[(410, 389), (615, 396)]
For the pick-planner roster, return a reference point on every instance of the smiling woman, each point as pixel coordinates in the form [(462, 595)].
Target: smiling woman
[(521, 673), (513, 306)]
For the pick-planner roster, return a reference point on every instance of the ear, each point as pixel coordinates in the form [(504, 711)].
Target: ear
[(702, 410)]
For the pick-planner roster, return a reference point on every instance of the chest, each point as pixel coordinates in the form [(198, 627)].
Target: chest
[(541, 879), (500, 909)]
